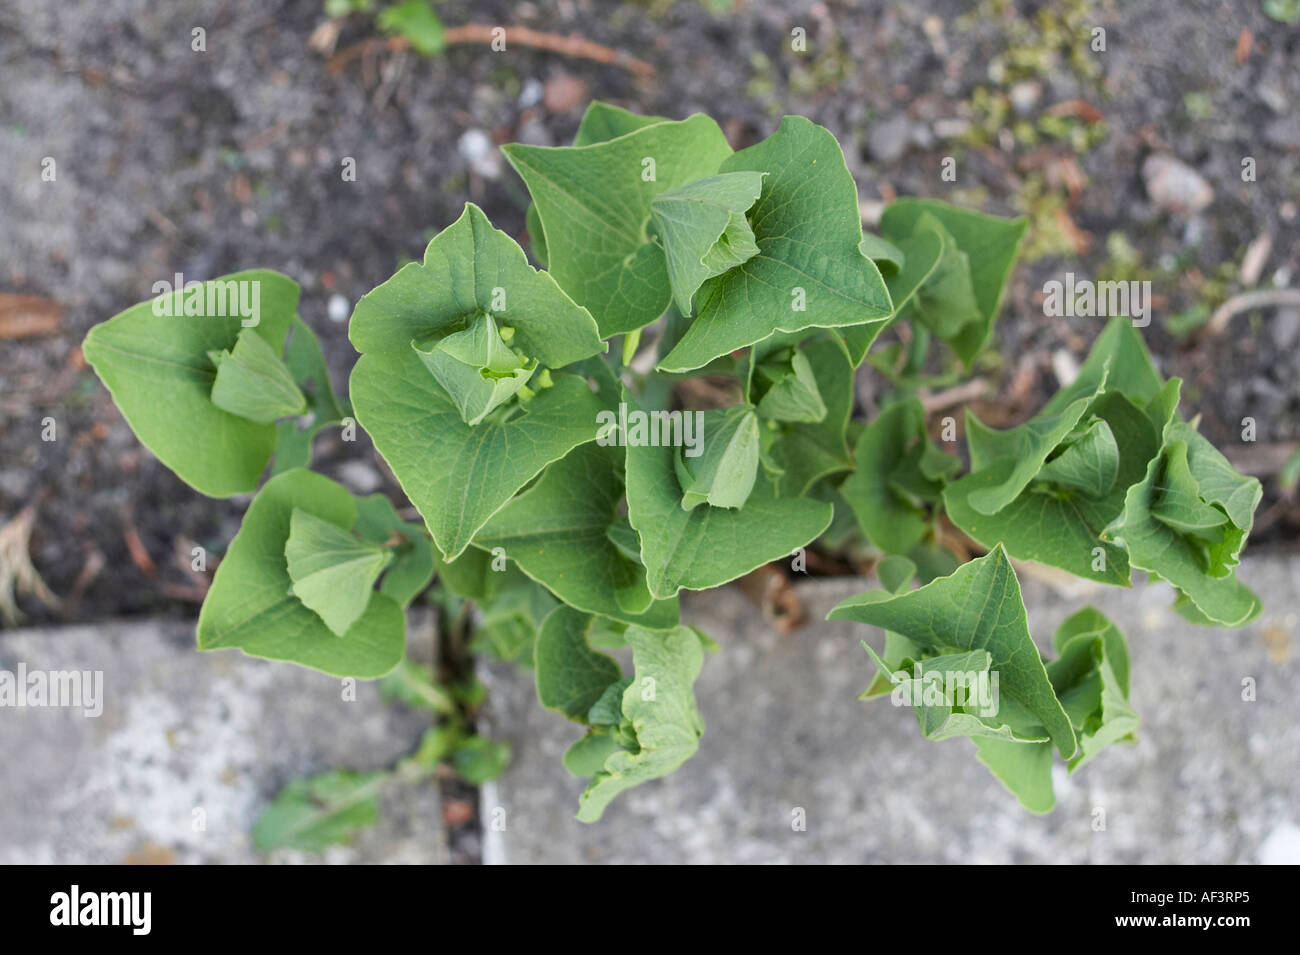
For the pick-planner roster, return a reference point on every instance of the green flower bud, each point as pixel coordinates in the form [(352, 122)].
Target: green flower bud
[(476, 367)]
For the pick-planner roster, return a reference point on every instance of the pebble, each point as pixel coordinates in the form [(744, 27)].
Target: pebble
[(887, 140), (360, 476), (1175, 186), (1286, 329), (951, 128), (338, 308), (1024, 96), (532, 92), (476, 148)]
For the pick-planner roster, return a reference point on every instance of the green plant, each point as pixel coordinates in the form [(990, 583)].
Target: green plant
[(572, 491)]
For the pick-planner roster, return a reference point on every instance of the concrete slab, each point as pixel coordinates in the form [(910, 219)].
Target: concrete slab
[(188, 737), (1214, 779)]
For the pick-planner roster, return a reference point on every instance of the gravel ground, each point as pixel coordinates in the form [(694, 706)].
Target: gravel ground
[(169, 159)]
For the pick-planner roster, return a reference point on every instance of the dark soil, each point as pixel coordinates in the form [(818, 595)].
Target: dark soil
[(171, 160)]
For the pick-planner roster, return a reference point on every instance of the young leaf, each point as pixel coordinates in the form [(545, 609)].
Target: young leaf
[(990, 245), (660, 706), (600, 123), (571, 676), (945, 302), (784, 388), (252, 382), (723, 473), (1059, 524), (320, 811), (703, 229), (593, 203), (806, 451), (478, 759), (558, 533), (978, 607), (475, 367), (333, 572), (809, 270), (1090, 677), (1088, 462), (153, 358), (918, 256), (458, 476), (970, 710), (708, 546), (251, 605), (412, 565), (471, 269), (586, 757), (889, 492), (1164, 531)]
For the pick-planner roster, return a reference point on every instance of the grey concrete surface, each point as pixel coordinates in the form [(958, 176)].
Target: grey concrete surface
[(187, 738), (1213, 779)]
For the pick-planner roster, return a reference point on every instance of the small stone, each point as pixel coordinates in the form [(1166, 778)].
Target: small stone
[(534, 133), (360, 476), (1283, 132), (1024, 96), (1286, 329), (564, 92), (338, 308), (476, 148), (1175, 186), (532, 92), (951, 128), (887, 140)]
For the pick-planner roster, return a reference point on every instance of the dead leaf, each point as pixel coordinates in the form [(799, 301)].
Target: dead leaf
[(27, 316)]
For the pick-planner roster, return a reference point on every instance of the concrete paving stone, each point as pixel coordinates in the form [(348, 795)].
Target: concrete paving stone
[(1213, 778), (183, 732)]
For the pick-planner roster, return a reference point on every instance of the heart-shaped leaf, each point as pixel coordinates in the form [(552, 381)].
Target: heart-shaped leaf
[(252, 381), (154, 359), (899, 474), (659, 705), (593, 203), (978, 607), (558, 532), (804, 452), (458, 476), (333, 572), (703, 229), (251, 605), (708, 546), (809, 271), (990, 245), (571, 676)]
